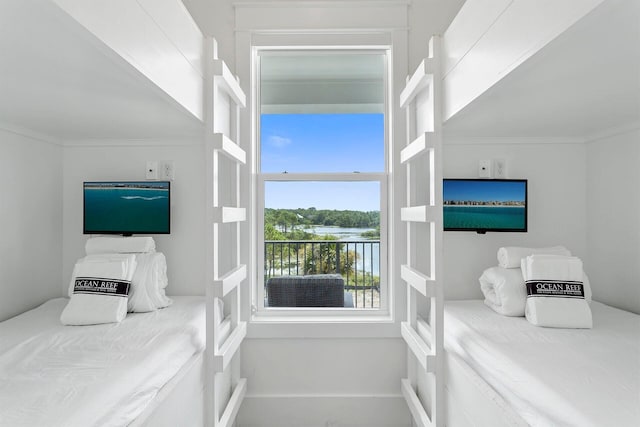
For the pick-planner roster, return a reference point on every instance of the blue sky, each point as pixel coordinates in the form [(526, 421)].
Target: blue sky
[(480, 190), (322, 143)]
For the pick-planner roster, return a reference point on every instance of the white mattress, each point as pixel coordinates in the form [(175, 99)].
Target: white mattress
[(553, 377), (100, 375)]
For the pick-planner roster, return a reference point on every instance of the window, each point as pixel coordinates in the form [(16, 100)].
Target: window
[(322, 180)]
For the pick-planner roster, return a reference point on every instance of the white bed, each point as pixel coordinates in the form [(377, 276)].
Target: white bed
[(111, 374), (544, 376)]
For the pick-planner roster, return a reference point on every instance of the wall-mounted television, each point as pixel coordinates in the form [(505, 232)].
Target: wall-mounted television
[(483, 205), (127, 207)]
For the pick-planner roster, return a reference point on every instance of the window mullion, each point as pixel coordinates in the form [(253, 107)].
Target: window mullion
[(364, 176)]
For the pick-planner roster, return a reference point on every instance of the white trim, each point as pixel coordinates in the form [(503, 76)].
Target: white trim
[(418, 280), (321, 16), (618, 130), (415, 406), (339, 176), (228, 147), (322, 395), (468, 140), (271, 316), (233, 406), (229, 281), (320, 108), (421, 213), (378, 29), (420, 145), (321, 3), (224, 353), (379, 409), (423, 76), (28, 133), (223, 361), (128, 142), (228, 82), (335, 328), (423, 103), (323, 31), (361, 38), (420, 348), (227, 214)]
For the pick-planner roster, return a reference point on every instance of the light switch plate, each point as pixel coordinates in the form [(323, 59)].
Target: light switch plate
[(500, 168), (167, 170)]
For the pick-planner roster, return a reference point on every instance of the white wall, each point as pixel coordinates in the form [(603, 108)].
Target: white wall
[(557, 205), (31, 219), (324, 382), (184, 247), (613, 220)]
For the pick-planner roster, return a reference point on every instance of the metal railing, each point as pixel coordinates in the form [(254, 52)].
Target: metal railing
[(357, 261)]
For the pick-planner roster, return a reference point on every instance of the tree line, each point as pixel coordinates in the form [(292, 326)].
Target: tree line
[(289, 219)]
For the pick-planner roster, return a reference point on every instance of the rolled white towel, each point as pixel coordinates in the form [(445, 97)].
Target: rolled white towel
[(158, 281), (123, 245), (144, 283), (100, 291), (504, 290), (555, 292), (510, 256)]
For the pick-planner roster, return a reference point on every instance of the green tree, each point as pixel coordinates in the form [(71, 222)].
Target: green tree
[(321, 258)]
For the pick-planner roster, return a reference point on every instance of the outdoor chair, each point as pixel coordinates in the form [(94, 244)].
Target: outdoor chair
[(317, 290)]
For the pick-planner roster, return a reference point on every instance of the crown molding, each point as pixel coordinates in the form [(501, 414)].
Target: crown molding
[(617, 130), (320, 3), (136, 142), (30, 133), (537, 140)]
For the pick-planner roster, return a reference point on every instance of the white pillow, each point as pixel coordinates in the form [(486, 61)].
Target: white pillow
[(510, 256), (505, 291), (126, 259), (100, 292), (148, 283), (556, 294)]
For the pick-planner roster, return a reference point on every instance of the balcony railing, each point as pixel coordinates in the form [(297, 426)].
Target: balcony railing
[(357, 261)]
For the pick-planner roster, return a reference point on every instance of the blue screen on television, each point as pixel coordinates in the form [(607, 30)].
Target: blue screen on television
[(485, 204), (132, 207)]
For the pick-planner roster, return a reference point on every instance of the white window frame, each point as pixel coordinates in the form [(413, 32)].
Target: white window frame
[(261, 314)]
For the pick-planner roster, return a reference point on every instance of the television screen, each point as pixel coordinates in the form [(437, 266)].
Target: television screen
[(483, 205), (132, 207)]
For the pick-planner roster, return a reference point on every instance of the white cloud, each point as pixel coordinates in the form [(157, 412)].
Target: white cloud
[(278, 141)]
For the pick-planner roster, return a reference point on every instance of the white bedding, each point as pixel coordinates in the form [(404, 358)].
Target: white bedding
[(553, 377), (99, 375)]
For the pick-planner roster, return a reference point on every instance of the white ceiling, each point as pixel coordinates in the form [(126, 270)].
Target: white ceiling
[(322, 82), (57, 80), (584, 83)]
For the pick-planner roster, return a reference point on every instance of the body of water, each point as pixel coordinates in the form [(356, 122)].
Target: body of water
[(342, 234), (495, 217), (368, 253)]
